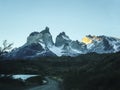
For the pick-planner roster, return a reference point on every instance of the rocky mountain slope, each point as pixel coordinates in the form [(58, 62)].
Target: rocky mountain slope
[(40, 44)]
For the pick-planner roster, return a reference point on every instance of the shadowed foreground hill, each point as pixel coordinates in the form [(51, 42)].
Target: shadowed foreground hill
[(100, 75), (85, 72)]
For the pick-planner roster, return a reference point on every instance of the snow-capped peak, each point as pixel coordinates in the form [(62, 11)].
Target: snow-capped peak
[(41, 44), (61, 39), (64, 36), (43, 37)]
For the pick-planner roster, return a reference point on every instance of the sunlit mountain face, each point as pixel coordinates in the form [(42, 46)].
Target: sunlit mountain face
[(86, 40), (89, 39), (40, 44)]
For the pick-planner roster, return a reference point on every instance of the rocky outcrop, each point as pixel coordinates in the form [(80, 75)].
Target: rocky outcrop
[(62, 39), (40, 44), (43, 37)]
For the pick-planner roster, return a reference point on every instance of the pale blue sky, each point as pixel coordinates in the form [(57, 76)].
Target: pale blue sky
[(18, 18)]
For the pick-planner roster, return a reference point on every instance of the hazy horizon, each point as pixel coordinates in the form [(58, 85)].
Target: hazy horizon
[(76, 18)]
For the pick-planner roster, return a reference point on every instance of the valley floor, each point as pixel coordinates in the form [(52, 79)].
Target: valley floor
[(51, 85)]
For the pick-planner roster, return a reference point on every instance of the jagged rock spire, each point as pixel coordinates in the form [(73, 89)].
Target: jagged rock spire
[(43, 37), (61, 39), (46, 30)]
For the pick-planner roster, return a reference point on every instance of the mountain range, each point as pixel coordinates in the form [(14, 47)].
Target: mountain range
[(40, 44)]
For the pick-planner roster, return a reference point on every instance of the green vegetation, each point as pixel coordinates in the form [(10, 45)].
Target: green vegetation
[(85, 72), (7, 82), (36, 80), (96, 75)]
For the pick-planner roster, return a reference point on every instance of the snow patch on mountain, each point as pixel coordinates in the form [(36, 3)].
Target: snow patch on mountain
[(43, 45), (57, 50), (66, 38), (40, 44)]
